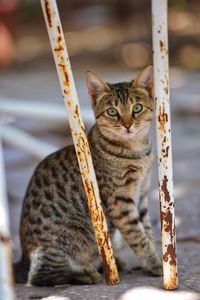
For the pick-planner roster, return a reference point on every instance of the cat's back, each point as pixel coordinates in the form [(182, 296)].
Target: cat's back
[(51, 194), (57, 167)]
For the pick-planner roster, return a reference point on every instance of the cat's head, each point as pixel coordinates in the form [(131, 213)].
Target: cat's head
[(123, 110)]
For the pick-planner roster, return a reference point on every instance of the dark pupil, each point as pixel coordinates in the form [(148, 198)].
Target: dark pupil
[(137, 108), (112, 111)]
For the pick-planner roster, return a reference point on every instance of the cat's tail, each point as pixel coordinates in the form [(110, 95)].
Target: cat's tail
[(21, 269)]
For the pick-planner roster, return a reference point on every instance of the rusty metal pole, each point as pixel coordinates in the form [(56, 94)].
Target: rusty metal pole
[(65, 75), (6, 279), (164, 147)]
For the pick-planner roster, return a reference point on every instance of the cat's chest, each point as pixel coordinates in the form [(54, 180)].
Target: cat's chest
[(124, 173)]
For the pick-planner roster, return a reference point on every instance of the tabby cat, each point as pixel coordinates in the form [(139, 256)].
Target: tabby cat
[(57, 238)]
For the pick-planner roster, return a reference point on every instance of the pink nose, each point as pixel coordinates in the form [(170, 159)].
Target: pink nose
[(127, 125)]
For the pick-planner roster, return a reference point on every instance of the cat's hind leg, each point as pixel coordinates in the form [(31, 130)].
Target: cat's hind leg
[(49, 267)]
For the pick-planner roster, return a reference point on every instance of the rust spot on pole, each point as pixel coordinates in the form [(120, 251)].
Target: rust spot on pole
[(59, 39), (166, 90), (163, 47), (88, 187), (167, 222), (165, 189), (69, 104), (106, 265), (48, 12), (165, 151), (76, 112), (66, 92), (170, 255), (58, 28), (162, 118), (59, 48), (83, 146), (96, 204), (172, 284), (77, 117), (64, 71)]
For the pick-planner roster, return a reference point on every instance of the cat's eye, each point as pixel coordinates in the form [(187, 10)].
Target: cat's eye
[(137, 108), (112, 112)]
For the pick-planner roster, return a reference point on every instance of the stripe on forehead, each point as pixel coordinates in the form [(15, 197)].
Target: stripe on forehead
[(121, 90)]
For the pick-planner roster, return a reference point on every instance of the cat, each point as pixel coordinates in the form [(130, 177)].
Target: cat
[(57, 238)]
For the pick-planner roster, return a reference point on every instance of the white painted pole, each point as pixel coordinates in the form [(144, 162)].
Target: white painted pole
[(164, 147), (6, 279), (65, 75)]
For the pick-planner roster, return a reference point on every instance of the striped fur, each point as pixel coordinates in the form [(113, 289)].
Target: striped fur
[(57, 237)]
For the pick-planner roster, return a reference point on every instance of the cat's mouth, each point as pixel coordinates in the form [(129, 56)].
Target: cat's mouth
[(130, 132)]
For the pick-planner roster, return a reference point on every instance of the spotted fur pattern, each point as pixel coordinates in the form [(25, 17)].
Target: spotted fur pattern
[(57, 238)]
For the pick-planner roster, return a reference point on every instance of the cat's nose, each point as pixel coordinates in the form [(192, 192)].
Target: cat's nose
[(127, 125)]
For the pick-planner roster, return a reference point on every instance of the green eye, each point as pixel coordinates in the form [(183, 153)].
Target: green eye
[(112, 112), (137, 108)]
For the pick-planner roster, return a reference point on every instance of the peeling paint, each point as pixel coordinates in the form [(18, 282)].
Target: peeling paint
[(164, 148), (164, 189), (48, 13), (169, 255), (63, 70), (166, 90), (163, 47), (58, 29), (167, 222), (172, 283), (66, 92), (162, 118), (80, 140), (165, 151)]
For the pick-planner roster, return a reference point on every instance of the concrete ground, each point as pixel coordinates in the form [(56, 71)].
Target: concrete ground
[(134, 284), (42, 85)]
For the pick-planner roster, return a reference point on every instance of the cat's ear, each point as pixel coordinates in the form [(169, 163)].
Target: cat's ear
[(96, 86), (145, 79)]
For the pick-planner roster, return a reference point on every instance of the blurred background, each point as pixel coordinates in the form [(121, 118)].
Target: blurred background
[(112, 38), (113, 33)]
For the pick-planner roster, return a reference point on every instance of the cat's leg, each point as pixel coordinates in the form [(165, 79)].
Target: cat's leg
[(124, 215), (47, 267), (144, 216), (117, 243), (50, 266), (86, 277)]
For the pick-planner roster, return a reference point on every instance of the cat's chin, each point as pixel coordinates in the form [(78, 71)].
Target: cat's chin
[(121, 137)]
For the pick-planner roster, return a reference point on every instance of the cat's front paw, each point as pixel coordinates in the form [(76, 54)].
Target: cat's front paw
[(95, 276), (154, 268), (87, 278)]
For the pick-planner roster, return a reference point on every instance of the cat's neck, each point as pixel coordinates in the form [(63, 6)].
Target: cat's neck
[(131, 149)]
